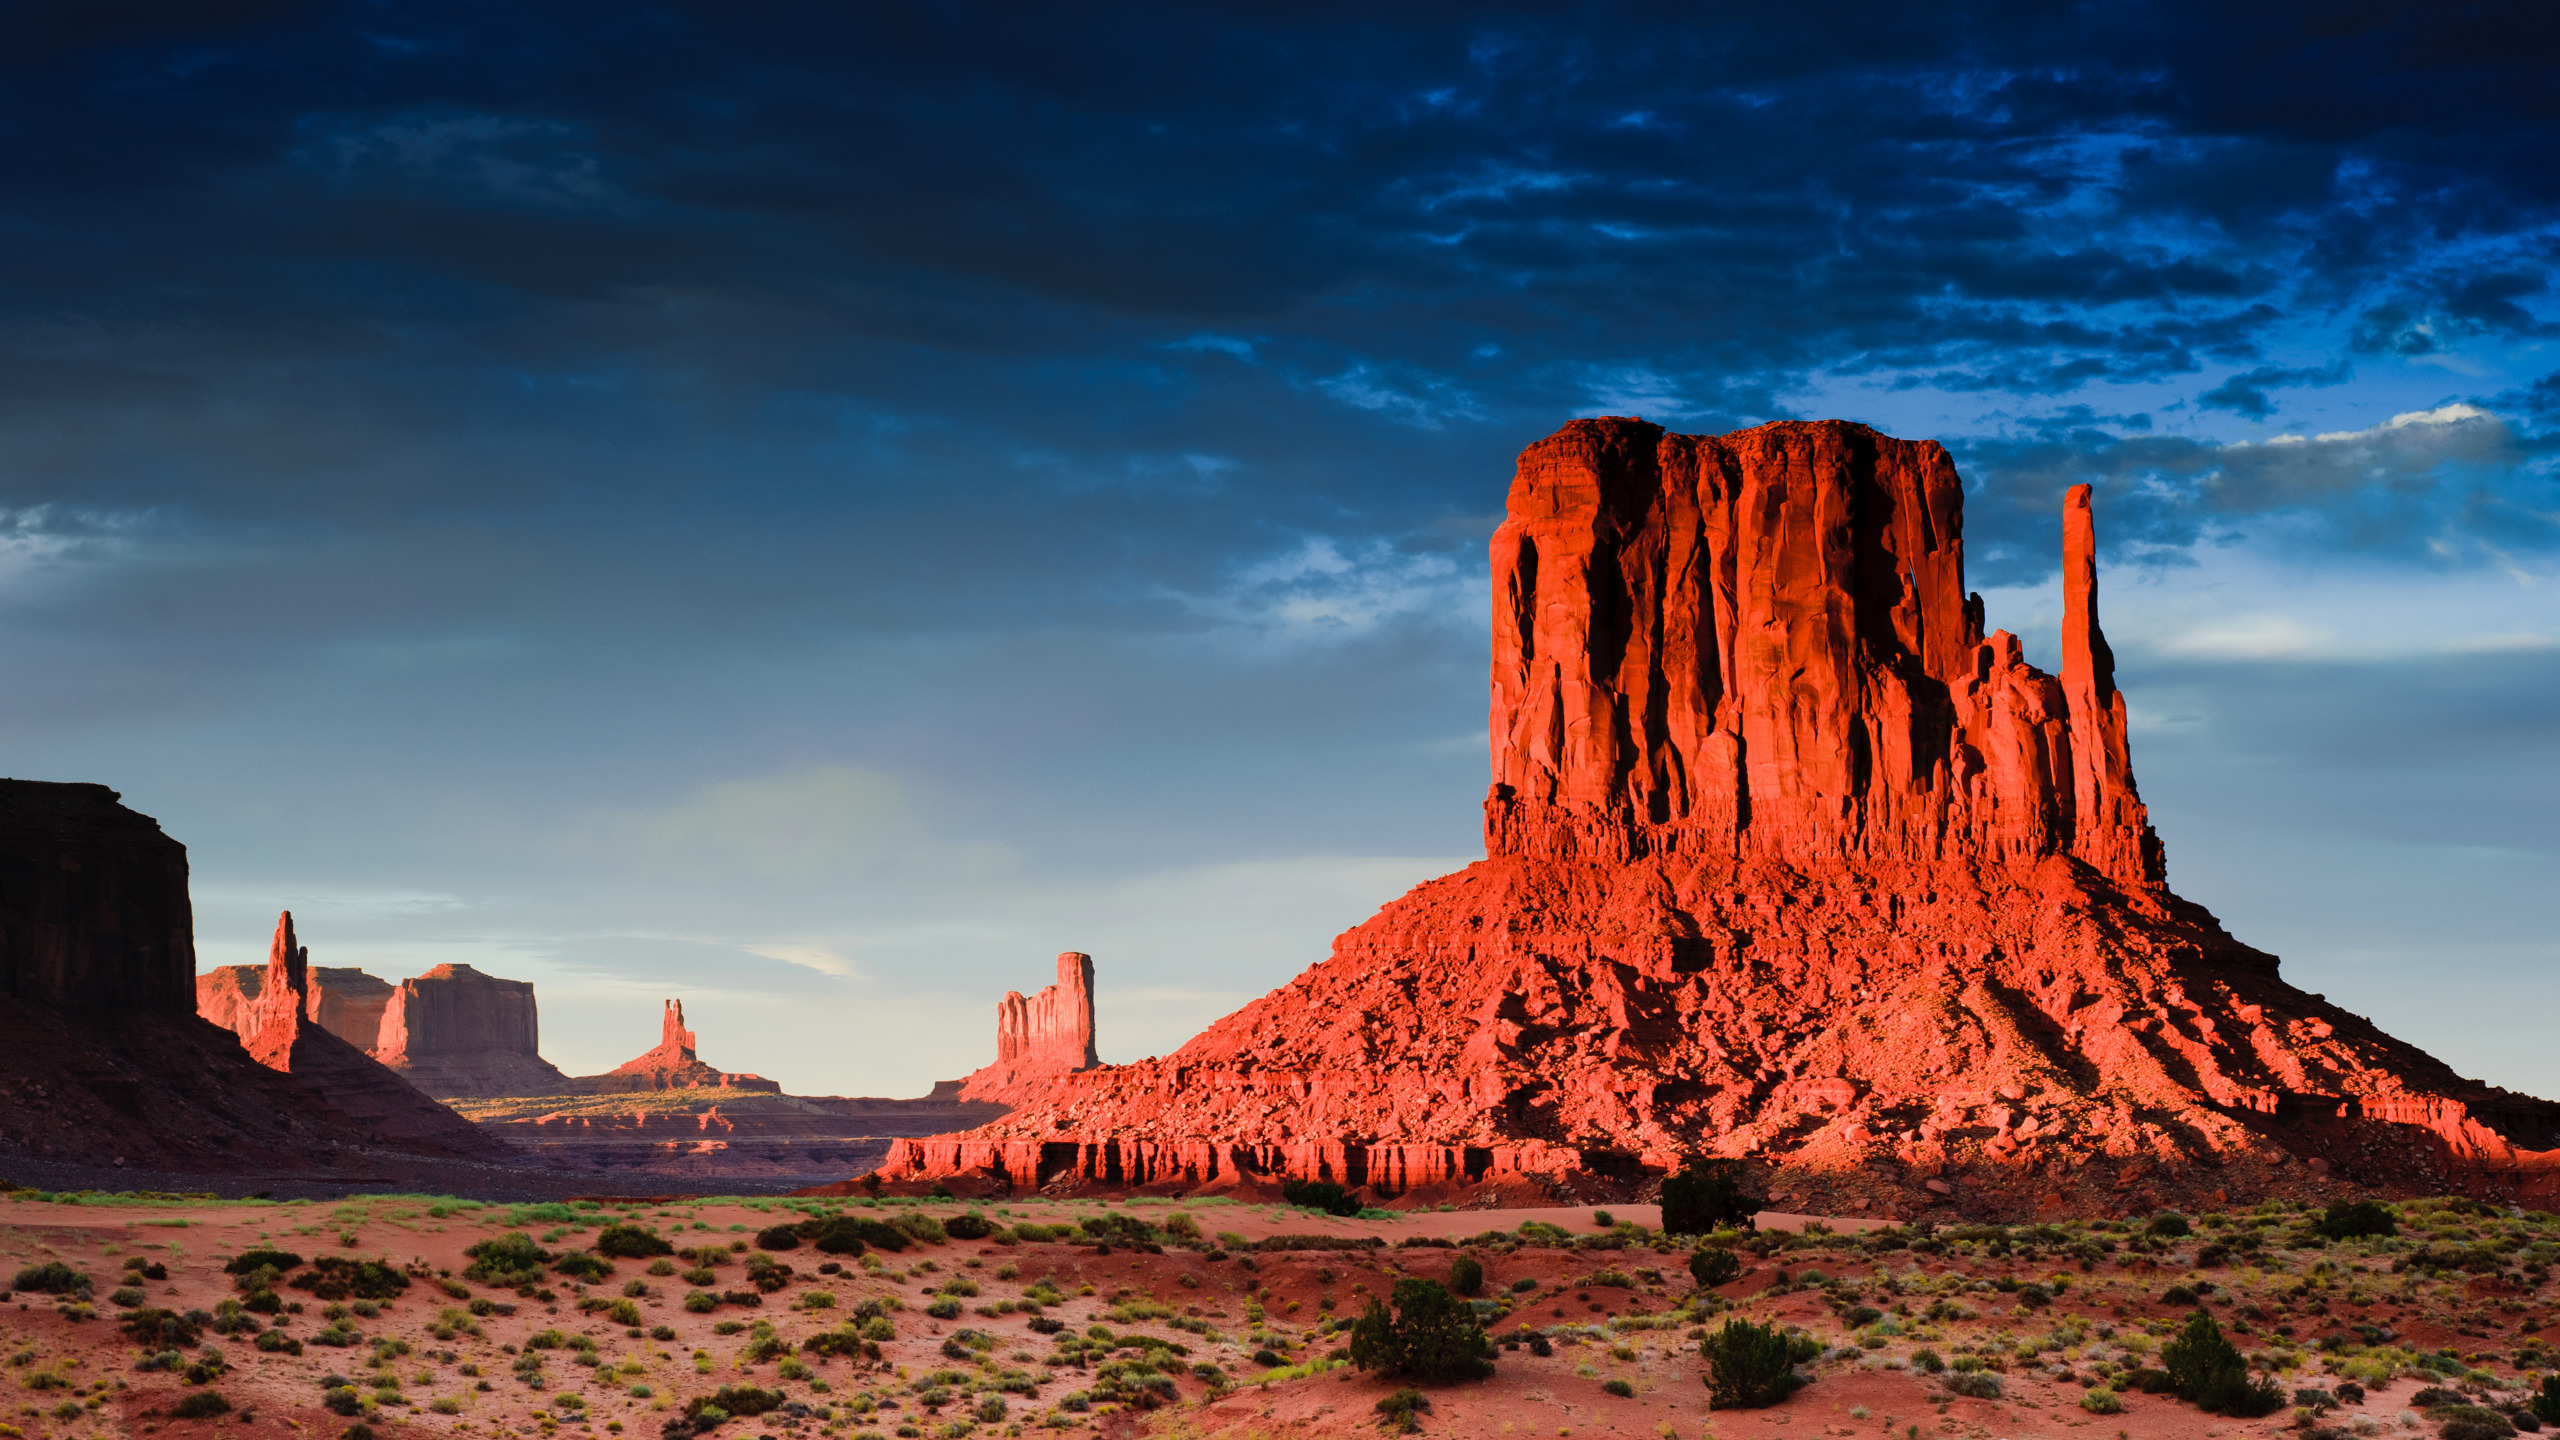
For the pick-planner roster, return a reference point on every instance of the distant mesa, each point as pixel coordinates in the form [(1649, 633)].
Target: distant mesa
[(280, 1033), (1787, 860), (1040, 1037), (456, 1031), (671, 1065)]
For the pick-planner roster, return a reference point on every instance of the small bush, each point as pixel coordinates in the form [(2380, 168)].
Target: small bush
[(1619, 1388), (202, 1405), (972, 1226), (2361, 1219), (276, 1342), (509, 1259), (2546, 1404), (2470, 1422), (1466, 1275), (943, 1307), (631, 1242), (851, 1234), (1973, 1384), (1712, 1266), (1398, 1412), (1748, 1366), (158, 1329), (53, 1278), (701, 1302), (735, 1400), (2168, 1225), (248, 1260), (2102, 1401), (590, 1268), (1321, 1195), (1704, 1195), (1927, 1361), (778, 1237), (1431, 1336), (2207, 1369)]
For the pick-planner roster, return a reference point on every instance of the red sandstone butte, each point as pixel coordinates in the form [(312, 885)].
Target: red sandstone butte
[(1040, 1038), (281, 1035), (1787, 860), (672, 1065), (455, 1031), (347, 1002)]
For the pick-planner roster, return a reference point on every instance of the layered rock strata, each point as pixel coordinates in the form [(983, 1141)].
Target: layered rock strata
[(1786, 860), (103, 1061), (454, 1031), (1039, 1038), (347, 1002), (670, 1065)]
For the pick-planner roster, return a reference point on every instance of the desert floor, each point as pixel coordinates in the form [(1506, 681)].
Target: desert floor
[(2456, 1301)]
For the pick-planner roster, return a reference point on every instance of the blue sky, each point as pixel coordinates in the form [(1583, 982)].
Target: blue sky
[(814, 509)]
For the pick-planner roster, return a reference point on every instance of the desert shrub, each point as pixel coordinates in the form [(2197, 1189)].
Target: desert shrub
[(1748, 1366), (1704, 1195), (276, 1342), (1321, 1195), (53, 1278), (1973, 1384), (1466, 1275), (943, 1308), (849, 1234), (1118, 1229), (2168, 1225), (509, 1259), (2149, 1380), (2177, 1295), (2102, 1401), (2357, 1220), (1928, 1360), (203, 1405), (701, 1302), (2207, 1369), (916, 1225), (631, 1242), (2470, 1422), (1619, 1388), (741, 1297), (335, 1277), (153, 1328), (778, 1237), (2546, 1402), (248, 1260), (1712, 1265), (590, 1268), (1400, 1412), (735, 1400), (1431, 1336), (342, 1400), (972, 1226)]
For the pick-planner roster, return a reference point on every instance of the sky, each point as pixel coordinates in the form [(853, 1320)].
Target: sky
[(814, 509)]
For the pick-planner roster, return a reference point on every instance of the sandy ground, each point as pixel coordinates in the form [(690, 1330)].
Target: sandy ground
[(71, 1377)]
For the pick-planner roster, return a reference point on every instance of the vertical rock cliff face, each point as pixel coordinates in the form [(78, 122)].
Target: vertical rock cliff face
[(1786, 860), (93, 903), (456, 1031), (348, 1003), (227, 995), (1761, 643), (1040, 1037)]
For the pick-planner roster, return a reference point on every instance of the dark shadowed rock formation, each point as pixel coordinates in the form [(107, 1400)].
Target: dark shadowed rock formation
[(1786, 860), (669, 1065), (456, 1031), (281, 1035), (103, 1059), (1039, 1038)]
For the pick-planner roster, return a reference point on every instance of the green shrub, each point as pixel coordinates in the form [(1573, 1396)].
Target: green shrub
[(972, 1226), (202, 1405), (916, 1225), (590, 1268), (1321, 1195), (735, 1400), (631, 1242), (2207, 1369), (248, 1260), (276, 1342), (52, 1278), (163, 1329), (335, 1277), (2102, 1401), (2361, 1219), (1466, 1275), (849, 1234), (1748, 1366), (2470, 1422), (2546, 1404), (701, 1302), (1619, 1388), (509, 1259), (1713, 1265), (1973, 1384), (778, 1237), (1928, 1361), (1431, 1336), (943, 1308), (2168, 1225), (1704, 1195)]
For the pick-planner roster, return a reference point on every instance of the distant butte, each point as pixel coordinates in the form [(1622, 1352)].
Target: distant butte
[(1786, 860), (671, 1065), (1039, 1038)]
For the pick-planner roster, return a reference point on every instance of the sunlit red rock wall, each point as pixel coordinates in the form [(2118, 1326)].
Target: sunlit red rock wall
[(1761, 642), (456, 1031), (1040, 1036)]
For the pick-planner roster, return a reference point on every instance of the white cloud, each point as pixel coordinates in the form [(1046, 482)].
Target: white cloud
[(1324, 589), (2263, 636)]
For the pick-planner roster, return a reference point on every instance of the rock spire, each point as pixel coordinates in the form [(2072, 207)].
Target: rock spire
[(281, 1035), (671, 1065)]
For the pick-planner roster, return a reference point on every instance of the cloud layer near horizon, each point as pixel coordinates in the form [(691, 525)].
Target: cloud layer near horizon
[(816, 509)]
